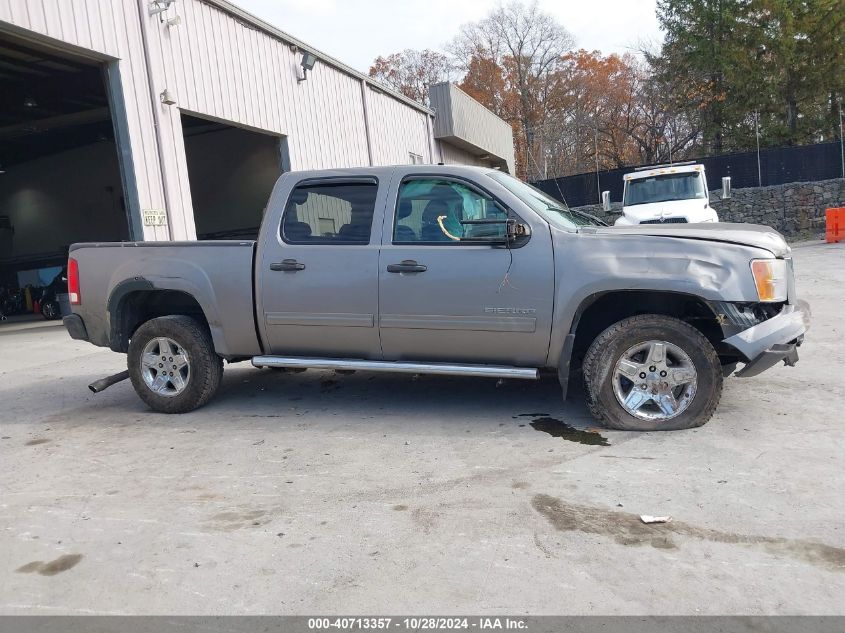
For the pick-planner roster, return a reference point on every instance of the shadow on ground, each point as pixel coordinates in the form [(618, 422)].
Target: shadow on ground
[(325, 397)]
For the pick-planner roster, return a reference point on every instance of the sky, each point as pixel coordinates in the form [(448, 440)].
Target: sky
[(357, 31)]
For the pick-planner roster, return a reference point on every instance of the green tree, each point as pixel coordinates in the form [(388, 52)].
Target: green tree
[(698, 58), (737, 62), (795, 66)]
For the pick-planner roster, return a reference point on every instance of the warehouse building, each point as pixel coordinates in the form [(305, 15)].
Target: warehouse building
[(166, 120)]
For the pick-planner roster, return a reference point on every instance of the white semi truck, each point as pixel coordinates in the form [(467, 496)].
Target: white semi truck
[(666, 193)]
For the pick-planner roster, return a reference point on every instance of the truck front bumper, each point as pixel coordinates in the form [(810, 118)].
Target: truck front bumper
[(777, 339)]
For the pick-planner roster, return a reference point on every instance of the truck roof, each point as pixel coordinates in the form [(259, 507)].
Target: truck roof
[(388, 169), (663, 169)]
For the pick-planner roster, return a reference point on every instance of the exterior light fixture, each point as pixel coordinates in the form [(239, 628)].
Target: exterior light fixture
[(174, 21), (167, 98), (2, 171), (160, 6), (307, 63), (29, 102)]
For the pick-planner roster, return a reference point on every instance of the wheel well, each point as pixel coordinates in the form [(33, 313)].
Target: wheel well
[(137, 307), (601, 311)]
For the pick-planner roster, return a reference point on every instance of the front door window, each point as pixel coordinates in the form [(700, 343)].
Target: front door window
[(431, 211)]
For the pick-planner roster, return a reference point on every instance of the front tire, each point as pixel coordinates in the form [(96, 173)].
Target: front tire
[(173, 365), (652, 373)]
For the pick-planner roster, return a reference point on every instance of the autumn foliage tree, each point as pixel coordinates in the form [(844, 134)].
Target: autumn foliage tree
[(726, 69), (411, 72)]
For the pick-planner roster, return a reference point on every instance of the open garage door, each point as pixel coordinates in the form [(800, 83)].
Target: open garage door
[(60, 181), (232, 172)]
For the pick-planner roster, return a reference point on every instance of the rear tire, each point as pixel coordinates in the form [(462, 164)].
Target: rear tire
[(681, 391), (189, 371)]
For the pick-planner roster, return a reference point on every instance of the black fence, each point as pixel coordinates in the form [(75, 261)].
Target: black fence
[(778, 166)]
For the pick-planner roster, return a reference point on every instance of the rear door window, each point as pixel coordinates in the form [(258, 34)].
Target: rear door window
[(330, 213)]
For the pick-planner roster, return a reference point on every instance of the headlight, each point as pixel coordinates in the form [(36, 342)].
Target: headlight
[(770, 278)]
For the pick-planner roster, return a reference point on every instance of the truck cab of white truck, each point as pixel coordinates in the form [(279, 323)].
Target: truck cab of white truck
[(666, 193)]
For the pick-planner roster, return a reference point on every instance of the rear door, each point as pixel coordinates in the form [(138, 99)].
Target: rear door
[(318, 293), (445, 294)]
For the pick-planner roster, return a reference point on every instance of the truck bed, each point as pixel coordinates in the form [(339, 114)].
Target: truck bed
[(219, 274)]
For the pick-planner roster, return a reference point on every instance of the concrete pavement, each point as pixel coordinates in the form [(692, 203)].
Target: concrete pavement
[(315, 493)]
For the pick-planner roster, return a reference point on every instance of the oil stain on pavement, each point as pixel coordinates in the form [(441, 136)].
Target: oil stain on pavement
[(62, 563), (559, 428), (627, 529)]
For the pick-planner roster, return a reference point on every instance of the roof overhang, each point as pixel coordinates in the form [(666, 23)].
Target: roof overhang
[(463, 122)]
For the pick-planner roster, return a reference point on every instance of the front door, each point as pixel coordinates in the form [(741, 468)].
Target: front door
[(446, 295), (319, 273)]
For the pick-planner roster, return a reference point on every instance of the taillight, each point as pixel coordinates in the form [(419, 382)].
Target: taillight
[(73, 282)]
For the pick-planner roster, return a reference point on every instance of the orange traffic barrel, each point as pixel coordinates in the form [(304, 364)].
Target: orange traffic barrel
[(835, 225)]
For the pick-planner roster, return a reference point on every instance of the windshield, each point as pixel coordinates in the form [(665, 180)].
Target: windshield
[(663, 188), (554, 211)]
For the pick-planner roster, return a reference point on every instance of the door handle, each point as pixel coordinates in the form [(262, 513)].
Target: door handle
[(287, 265), (407, 266)]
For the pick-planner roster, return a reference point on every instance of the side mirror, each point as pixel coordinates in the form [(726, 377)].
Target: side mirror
[(726, 187), (517, 230), (514, 230), (605, 200)]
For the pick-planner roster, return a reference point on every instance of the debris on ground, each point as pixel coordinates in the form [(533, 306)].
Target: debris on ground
[(647, 518)]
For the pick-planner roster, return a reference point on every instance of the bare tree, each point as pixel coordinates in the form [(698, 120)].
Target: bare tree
[(662, 131), (526, 44)]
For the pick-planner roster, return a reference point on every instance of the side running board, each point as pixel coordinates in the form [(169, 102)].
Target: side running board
[(448, 369)]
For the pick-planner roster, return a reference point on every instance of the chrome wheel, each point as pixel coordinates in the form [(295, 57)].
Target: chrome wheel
[(165, 367), (654, 380)]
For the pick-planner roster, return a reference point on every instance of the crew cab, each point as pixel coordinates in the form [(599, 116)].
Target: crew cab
[(666, 193), (448, 270)]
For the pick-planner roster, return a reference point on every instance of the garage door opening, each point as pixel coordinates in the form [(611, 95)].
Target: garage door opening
[(60, 180), (232, 172)]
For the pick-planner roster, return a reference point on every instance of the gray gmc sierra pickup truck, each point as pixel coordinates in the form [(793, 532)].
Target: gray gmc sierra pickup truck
[(448, 270)]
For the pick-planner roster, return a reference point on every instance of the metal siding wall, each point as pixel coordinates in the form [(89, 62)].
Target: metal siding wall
[(396, 130), (452, 155), (140, 118), (218, 65), (77, 22)]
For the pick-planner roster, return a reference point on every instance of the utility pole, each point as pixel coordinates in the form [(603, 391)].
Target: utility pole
[(596, 141), (757, 134), (841, 144), (669, 147)]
